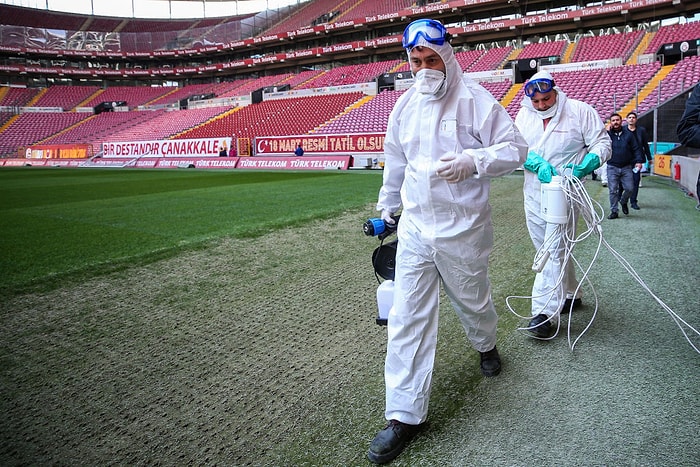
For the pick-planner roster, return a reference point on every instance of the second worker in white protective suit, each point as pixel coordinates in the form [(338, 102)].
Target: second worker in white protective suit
[(446, 137), (560, 132)]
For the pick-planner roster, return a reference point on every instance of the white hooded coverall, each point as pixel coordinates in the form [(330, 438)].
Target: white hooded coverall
[(445, 233), (574, 131)]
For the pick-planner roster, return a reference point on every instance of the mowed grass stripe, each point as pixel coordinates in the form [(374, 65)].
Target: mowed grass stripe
[(70, 223)]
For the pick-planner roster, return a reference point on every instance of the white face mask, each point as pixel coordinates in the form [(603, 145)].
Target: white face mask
[(429, 81), (549, 113)]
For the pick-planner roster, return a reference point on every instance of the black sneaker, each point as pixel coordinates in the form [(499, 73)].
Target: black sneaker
[(389, 442), (490, 362), (567, 305), (625, 209), (540, 327), (613, 215), (635, 206)]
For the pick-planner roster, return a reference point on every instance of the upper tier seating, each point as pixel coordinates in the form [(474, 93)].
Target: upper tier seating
[(543, 49), (249, 86), (175, 94), (673, 33), (17, 97), (468, 58), (491, 60), (132, 95), (350, 74), (66, 97), (364, 8), (607, 46), (307, 14)]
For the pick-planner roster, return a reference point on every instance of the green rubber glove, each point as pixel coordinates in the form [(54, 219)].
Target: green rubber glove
[(544, 170), (589, 163)]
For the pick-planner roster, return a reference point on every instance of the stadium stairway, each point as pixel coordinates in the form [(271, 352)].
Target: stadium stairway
[(36, 97), (646, 90), (568, 52), (510, 95), (89, 98), (640, 48)]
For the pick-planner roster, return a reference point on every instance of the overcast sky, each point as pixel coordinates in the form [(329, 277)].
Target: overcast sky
[(155, 8)]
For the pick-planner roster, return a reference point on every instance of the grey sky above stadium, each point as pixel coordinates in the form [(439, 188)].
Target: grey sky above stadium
[(155, 8)]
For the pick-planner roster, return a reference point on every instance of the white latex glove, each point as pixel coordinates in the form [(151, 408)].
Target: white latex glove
[(386, 217), (456, 167)]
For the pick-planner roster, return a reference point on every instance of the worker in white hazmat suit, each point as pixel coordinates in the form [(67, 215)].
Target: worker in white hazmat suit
[(446, 137), (560, 133)]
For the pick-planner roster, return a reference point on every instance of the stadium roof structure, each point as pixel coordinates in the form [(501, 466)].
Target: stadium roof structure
[(155, 9)]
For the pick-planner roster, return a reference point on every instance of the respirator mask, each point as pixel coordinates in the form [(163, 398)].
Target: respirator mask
[(550, 112), (429, 81)]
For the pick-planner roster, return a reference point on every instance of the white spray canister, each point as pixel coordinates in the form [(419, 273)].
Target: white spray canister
[(553, 205), (385, 300)]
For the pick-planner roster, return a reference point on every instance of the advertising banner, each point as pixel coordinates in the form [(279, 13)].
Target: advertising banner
[(59, 151), (295, 163), (213, 147), (197, 163), (320, 144)]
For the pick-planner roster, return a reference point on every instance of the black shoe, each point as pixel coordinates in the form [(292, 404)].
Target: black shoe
[(567, 305), (389, 442), (625, 209), (635, 206), (613, 215), (540, 327), (490, 362)]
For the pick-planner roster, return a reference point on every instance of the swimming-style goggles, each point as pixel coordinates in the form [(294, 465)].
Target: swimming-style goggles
[(538, 85), (431, 30)]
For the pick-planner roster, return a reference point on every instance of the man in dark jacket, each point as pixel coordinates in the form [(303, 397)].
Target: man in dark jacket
[(688, 128), (626, 154), (643, 139)]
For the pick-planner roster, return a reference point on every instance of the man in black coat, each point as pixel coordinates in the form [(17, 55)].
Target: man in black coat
[(643, 139), (626, 157), (688, 128)]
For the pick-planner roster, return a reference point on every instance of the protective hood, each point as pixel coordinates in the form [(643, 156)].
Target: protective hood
[(561, 98), (453, 72)]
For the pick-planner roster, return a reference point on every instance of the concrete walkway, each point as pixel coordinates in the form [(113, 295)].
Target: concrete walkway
[(629, 393)]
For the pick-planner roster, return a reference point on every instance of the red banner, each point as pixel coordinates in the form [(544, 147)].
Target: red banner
[(260, 163), (320, 144), (59, 151), (197, 162), (295, 163)]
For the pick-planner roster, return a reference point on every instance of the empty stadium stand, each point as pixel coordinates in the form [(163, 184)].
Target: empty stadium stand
[(624, 83)]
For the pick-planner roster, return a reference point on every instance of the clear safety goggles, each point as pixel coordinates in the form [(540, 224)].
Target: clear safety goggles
[(538, 85), (431, 30)]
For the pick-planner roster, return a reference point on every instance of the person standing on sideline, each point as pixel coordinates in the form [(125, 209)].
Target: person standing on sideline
[(446, 138), (626, 154), (643, 139), (688, 128), (561, 132)]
